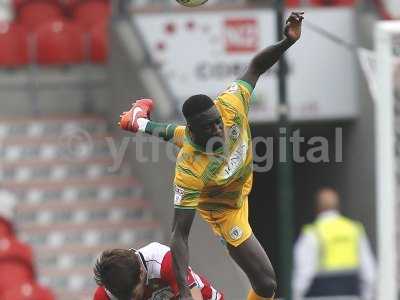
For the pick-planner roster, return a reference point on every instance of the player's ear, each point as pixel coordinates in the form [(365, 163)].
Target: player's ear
[(191, 132), (142, 273)]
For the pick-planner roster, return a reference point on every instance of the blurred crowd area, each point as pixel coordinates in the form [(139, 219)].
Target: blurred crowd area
[(18, 277)]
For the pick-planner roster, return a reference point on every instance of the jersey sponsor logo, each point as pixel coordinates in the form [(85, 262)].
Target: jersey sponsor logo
[(235, 161), (236, 233), (179, 193)]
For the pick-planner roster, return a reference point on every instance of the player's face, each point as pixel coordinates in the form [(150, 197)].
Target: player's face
[(208, 129)]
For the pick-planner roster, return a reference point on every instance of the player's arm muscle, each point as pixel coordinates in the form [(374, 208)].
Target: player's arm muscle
[(270, 55), (167, 131), (183, 219), (265, 60)]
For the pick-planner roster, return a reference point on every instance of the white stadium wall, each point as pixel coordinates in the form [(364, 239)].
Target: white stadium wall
[(205, 51)]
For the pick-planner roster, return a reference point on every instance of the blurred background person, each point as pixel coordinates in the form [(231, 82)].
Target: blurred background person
[(18, 279), (332, 256)]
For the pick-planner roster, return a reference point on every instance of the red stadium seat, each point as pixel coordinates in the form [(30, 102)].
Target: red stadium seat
[(6, 228), (59, 43), (16, 264), (13, 45), (99, 42), (34, 13), (90, 12), (28, 291), (17, 4), (333, 2), (292, 3)]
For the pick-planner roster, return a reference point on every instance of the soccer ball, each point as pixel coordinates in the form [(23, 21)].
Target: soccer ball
[(191, 3)]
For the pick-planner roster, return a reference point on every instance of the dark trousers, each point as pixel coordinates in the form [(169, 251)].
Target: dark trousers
[(346, 284)]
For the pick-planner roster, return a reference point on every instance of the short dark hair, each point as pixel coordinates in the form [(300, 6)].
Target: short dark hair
[(196, 104), (118, 270)]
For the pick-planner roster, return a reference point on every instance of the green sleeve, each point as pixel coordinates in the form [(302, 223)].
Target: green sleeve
[(162, 130)]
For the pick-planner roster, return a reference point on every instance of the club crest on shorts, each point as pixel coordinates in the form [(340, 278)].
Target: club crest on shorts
[(234, 132), (236, 233)]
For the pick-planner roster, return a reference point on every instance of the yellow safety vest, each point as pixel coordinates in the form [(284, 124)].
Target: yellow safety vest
[(338, 239)]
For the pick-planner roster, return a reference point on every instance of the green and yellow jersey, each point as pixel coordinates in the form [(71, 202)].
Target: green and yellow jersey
[(223, 178)]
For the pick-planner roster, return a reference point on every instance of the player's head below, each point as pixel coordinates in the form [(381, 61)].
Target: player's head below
[(121, 273), (204, 122), (327, 199)]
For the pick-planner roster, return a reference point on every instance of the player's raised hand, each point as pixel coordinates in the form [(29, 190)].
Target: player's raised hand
[(293, 26)]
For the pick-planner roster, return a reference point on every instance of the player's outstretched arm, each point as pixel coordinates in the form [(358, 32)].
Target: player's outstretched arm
[(137, 119), (169, 132), (183, 219), (270, 55)]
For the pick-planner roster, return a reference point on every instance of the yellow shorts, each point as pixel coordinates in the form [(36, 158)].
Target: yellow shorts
[(230, 224)]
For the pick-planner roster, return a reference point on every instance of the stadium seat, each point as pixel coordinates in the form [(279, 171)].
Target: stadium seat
[(17, 4), (13, 45), (34, 13), (99, 42), (332, 2), (28, 291), (16, 264), (6, 228), (69, 6), (292, 3), (90, 12), (59, 43)]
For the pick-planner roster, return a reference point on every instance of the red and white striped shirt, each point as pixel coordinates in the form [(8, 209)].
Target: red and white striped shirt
[(161, 279)]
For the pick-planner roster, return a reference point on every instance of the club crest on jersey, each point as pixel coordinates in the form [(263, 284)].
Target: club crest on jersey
[(234, 132), (179, 193), (236, 233)]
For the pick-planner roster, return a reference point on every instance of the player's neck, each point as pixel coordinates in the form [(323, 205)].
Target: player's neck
[(199, 144)]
